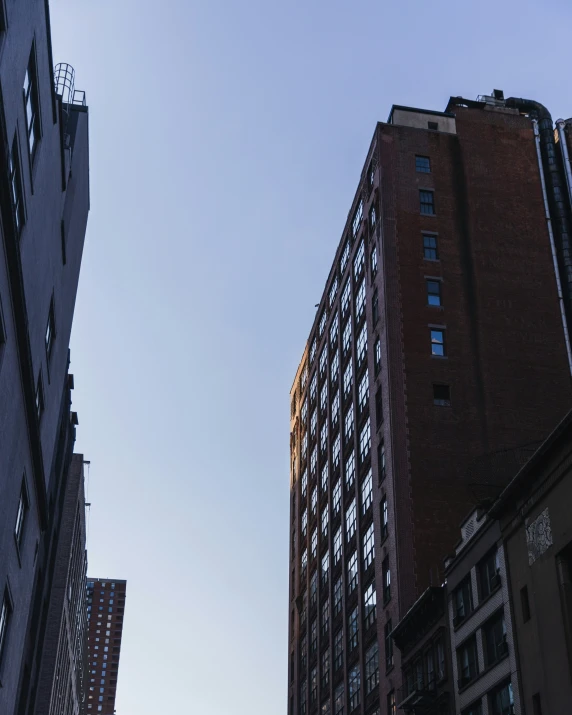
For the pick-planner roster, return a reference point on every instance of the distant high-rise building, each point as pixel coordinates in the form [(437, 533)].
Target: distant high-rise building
[(105, 611), (438, 358), (44, 205)]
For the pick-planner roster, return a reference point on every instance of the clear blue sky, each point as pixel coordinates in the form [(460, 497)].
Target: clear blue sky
[(227, 138)]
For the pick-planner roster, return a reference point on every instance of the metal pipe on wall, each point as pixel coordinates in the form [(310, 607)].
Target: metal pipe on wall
[(552, 244)]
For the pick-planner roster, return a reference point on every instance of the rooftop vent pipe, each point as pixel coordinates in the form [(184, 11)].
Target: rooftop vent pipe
[(556, 189)]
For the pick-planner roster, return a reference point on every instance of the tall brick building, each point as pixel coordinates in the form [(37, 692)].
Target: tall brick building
[(44, 205), (439, 351), (105, 611)]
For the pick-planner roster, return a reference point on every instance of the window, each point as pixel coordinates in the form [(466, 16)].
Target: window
[(16, 185), (474, 709), (363, 392), (323, 397), (314, 543), (337, 497), (303, 698), (313, 461), (313, 388), (324, 437), (322, 324), (377, 355), (430, 668), (313, 685), (354, 688), (339, 699), (304, 521), (536, 704), (437, 342), (468, 665), (50, 330), (32, 104), (365, 440), (313, 636), (374, 307), (462, 601), (501, 700), (423, 164), (356, 221), (388, 645), (359, 259), (325, 617), (349, 423), (489, 574), (313, 350), (442, 395), (334, 367), (325, 471), (5, 612), (366, 492), (351, 520), (346, 297), (353, 629), (378, 407), (494, 632), (433, 292), (430, 252), (373, 255), (338, 545), (21, 515), (360, 300), (326, 675), (350, 470), (391, 706), (39, 397), (427, 202), (368, 547), (323, 361), (352, 572), (433, 126), (334, 325), (369, 603), (386, 573), (304, 444), (440, 651), (384, 518), (333, 291), (345, 257), (362, 344), (525, 604), (335, 407), (347, 337), (348, 376), (336, 451), (325, 521), (338, 596), (304, 482), (371, 668), (339, 649)]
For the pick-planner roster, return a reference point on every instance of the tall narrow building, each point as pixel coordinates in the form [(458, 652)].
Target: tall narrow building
[(438, 358), (44, 205), (105, 611)]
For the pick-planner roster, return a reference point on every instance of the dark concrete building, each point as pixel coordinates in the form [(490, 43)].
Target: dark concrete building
[(105, 612), (63, 669), (441, 338), (536, 529), (422, 637), (44, 203)]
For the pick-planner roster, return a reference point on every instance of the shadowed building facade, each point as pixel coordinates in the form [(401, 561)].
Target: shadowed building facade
[(440, 344), (44, 204)]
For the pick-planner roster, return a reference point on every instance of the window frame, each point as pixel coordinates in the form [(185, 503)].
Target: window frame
[(426, 207), (31, 97), (438, 337), (426, 248), (422, 164), (434, 297)]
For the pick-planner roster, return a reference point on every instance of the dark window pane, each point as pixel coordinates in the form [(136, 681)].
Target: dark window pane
[(433, 292), (430, 247), (427, 202), (423, 164)]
